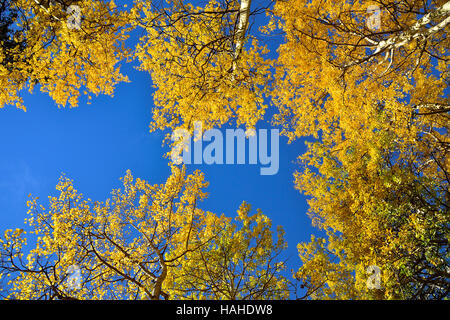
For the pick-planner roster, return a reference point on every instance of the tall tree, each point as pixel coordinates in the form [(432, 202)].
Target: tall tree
[(378, 172), (137, 245), (242, 263), (335, 68), (383, 205), (204, 64)]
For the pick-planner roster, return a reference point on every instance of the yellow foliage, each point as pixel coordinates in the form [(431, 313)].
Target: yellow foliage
[(140, 244), (59, 59)]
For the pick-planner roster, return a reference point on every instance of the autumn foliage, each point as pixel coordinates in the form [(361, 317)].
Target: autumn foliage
[(372, 97)]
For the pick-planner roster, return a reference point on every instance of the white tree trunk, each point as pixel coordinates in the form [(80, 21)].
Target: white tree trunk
[(244, 13)]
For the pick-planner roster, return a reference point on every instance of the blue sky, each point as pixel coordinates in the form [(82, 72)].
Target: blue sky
[(95, 144)]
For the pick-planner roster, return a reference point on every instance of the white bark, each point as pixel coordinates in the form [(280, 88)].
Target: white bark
[(432, 108), (415, 30), (244, 13), (45, 9)]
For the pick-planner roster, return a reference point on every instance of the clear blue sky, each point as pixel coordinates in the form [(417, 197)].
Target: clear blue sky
[(95, 144)]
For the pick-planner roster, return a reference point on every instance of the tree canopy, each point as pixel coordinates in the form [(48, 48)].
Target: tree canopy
[(366, 81), (145, 242)]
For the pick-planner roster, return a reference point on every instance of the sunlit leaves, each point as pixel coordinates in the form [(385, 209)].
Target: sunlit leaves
[(63, 61), (189, 52), (142, 243)]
